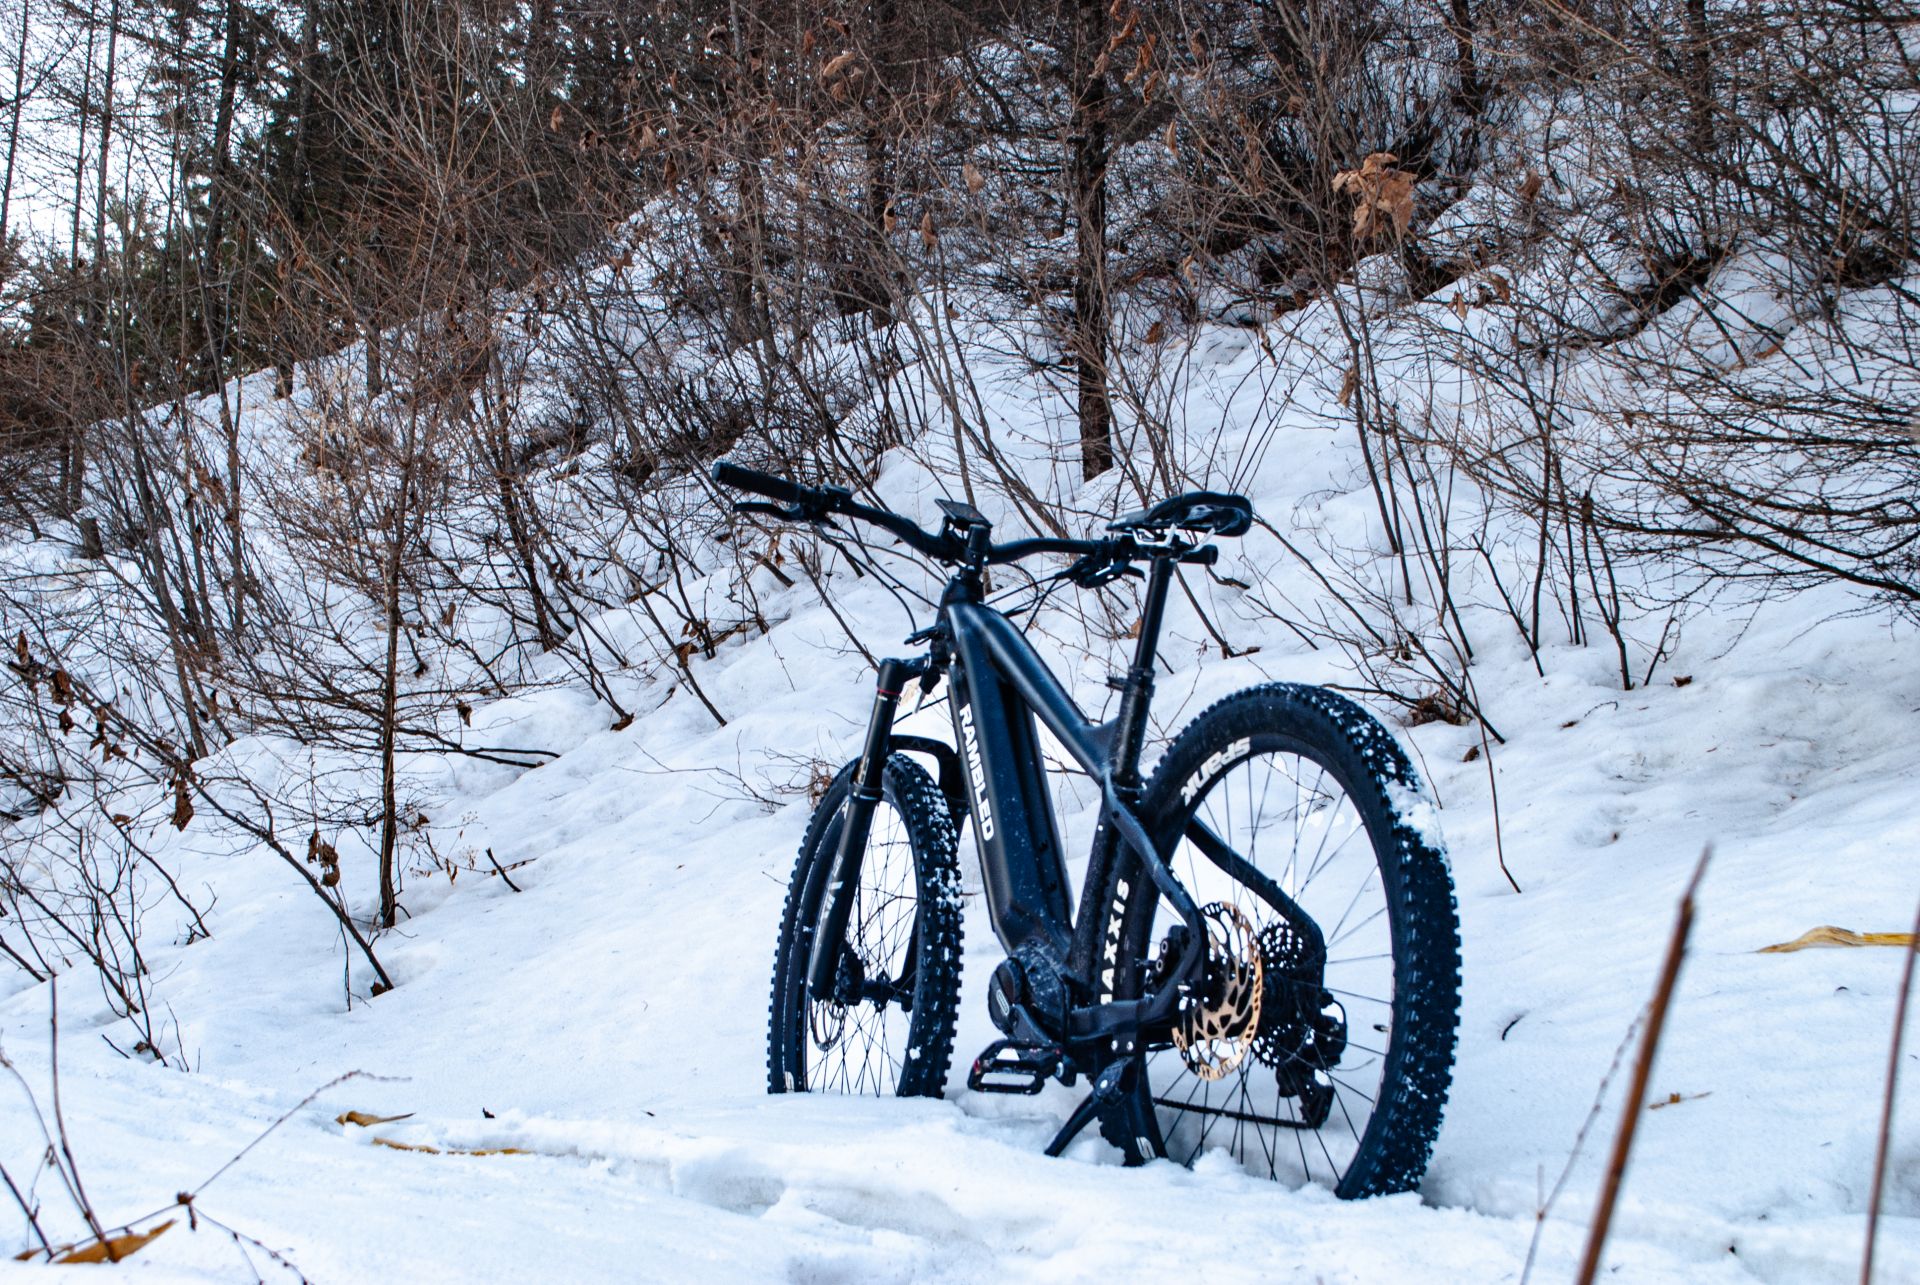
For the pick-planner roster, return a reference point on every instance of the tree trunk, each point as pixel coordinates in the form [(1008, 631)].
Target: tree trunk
[(106, 142), (1087, 187), (390, 689), (293, 205), (1699, 79), (13, 132), (1469, 95)]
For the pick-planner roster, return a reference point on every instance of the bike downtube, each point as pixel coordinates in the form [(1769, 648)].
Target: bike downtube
[(823, 962)]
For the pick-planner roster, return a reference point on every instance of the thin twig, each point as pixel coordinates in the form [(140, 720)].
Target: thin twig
[(32, 1220), (501, 871), (1493, 791), (72, 1171), (1547, 1202), (1886, 1107), (1642, 1069)]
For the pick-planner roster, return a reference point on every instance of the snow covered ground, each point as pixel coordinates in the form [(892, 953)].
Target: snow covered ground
[(601, 1032)]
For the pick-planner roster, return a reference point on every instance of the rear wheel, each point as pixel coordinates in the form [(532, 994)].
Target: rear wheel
[(888, 1026), (1320, 1046)]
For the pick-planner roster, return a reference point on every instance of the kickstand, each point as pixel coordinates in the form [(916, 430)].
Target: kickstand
[(1107, 1087)]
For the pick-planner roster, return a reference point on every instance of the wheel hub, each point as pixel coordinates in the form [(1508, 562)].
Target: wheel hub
[(1215, 1031)]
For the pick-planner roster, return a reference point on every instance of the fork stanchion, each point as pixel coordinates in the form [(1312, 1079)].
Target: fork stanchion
[(823, 962)]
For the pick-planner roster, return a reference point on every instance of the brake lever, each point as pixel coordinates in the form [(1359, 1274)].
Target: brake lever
[(782, 512), (766, 509), (1092, 571)]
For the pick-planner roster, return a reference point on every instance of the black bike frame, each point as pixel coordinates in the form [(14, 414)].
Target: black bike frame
[(999, 687)]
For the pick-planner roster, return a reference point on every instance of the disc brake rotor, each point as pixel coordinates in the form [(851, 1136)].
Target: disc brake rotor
[(1214, 1034)]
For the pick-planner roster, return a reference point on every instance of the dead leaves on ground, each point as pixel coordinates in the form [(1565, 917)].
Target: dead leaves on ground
[(366, 1120), (449, 1151), (111, 1249), (1828, 935)]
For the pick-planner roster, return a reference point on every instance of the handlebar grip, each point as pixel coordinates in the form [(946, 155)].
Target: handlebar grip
[(729, 474)]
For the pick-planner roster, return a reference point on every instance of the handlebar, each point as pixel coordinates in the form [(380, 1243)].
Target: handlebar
[(729, 474), (817, 503)]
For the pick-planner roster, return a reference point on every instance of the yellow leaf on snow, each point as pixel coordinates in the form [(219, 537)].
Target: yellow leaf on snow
[(1828, 935), (366, 1119), (113, 1248)]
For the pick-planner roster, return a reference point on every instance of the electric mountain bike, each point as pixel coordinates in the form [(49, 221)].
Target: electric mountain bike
[(1265, 953)]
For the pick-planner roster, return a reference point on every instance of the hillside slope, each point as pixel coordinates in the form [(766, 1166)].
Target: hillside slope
[(606, 1020)]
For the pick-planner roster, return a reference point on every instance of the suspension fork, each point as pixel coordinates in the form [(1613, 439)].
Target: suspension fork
[(869, 774)]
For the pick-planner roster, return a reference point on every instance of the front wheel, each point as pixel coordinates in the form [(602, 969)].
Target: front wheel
[(1319, 1047), (888, 1026)]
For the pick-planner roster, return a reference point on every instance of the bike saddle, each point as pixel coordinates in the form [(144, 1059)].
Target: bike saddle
[(1213, 512)]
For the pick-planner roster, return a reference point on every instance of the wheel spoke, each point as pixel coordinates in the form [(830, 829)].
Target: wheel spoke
[(1323, 823)]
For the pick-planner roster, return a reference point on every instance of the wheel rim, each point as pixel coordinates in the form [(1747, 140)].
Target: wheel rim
[(859, 1041), (1292, 820)]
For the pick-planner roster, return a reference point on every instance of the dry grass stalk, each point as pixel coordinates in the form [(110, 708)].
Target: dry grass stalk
[(1642, 1070), (1886, 1106)]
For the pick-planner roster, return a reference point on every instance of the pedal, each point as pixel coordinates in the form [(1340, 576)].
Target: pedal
[(1007, 1066)]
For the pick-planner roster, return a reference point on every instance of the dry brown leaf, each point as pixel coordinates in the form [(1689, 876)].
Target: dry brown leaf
[(366, 1119), (975, 179), (837, 64), (448, 1151), (1502, 288), (1530, 186), (114, 1248), (1349, 386), (182, 804), (888, 221), (1156, 332), (928, 237), (1384, 194), (1828, 935), (1172, 137)]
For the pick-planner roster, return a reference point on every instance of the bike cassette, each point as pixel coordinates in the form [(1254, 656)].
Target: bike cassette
[(1006, 1066), (1216, 1030)]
